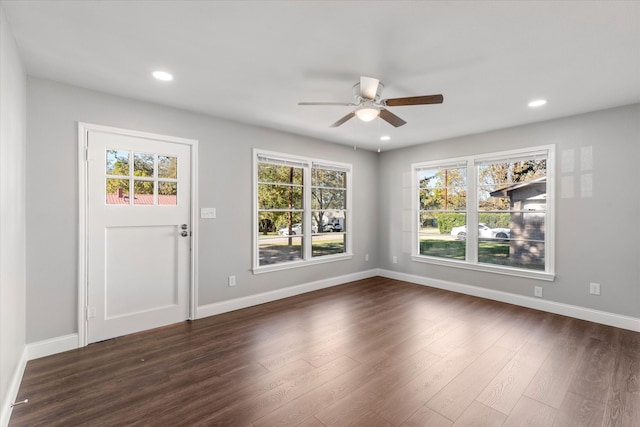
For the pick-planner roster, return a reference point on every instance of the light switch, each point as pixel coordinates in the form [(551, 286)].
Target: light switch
[(207, 213)]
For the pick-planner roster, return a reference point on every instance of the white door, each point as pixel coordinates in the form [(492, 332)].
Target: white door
[(138, 233)]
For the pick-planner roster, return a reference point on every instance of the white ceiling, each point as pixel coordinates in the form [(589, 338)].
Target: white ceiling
[(253, 61)]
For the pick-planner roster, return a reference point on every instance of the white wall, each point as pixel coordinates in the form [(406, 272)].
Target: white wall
[(224, 181), (597, 233), (12, 217), (590, 245)]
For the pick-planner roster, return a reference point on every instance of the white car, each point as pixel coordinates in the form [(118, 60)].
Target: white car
[(296, 229), (484, 232)]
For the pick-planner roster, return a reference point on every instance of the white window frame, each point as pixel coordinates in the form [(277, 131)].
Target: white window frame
[(471, 261), (306, 163)]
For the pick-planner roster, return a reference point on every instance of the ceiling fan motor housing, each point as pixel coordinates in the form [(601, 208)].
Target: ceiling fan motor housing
[(358, 96)]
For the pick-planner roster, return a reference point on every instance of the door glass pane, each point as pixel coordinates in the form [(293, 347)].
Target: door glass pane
[(117, 162), (142, 164), (117, 191), (167, 167), (167, 193), (143, 192)]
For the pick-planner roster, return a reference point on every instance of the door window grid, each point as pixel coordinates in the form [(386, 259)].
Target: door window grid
[(151, 181)]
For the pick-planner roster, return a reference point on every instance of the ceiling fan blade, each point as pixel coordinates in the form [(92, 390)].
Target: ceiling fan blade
[(414, 100), (342, 120), (391, 118), (368, 87), (344, 104)]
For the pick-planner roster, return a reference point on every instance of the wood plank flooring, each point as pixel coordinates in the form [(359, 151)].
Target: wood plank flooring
[(376, 352)]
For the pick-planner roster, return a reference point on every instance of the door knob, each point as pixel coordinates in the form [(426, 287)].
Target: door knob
[(184, 233)]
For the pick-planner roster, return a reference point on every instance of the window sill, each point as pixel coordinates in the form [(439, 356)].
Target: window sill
[(529, 274), (297, 264)]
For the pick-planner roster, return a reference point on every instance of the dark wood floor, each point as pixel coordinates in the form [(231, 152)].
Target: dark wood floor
[(376, 352)]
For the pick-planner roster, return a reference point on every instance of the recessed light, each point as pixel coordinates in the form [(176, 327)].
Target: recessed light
[(162, 75), (385, 138), (537, 103)]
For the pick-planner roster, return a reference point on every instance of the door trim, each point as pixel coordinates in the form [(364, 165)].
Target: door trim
[(83, 141)]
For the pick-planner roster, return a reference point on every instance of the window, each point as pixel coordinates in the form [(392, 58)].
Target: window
[(491, 212), (302, 211), (443, 203)]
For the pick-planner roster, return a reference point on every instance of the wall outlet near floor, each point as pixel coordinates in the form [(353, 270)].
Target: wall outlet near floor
[(537, 291), (232, 280), (594, 288), (394, 259), (366, 257)]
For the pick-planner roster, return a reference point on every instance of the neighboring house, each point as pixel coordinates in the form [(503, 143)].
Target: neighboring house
[(528, 203)]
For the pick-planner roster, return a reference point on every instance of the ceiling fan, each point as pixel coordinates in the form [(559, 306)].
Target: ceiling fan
[(369, 105)]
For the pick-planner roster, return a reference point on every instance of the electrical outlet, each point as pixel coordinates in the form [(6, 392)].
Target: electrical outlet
[(394, 259), (594, 288), (537, 291), (232, 280), (366, 257)]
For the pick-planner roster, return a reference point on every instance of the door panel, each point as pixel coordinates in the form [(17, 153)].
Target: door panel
[(141, 269), (138, 234)]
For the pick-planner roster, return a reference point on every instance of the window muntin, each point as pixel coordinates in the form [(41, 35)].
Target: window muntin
[(509, 205), (442, 198), (301, 209)]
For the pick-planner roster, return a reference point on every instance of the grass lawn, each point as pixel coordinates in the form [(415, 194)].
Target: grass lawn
[(489, 252), (277, 250), (444, 248), (327, 247)]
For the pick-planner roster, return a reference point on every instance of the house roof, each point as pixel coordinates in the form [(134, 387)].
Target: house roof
[(142, 199), (504, 192)]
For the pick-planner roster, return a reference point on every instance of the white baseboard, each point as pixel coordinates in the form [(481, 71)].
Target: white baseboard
[(12, 392), (51, 346), (71, 341), (597, 316), (264, 297)]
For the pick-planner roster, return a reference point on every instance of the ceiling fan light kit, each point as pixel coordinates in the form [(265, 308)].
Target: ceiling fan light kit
[(369, 104), (367, 112)]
